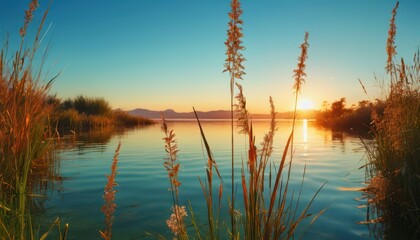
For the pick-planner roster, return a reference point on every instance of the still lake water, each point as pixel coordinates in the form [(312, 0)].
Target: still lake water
[(144, 202)]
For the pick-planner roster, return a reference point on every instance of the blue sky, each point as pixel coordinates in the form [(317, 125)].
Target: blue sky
[(161, 54)]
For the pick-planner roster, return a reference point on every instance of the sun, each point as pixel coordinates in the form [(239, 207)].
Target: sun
[(305, 104)]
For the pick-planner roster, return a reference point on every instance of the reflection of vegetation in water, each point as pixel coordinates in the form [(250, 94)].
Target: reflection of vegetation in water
[(95, 138)]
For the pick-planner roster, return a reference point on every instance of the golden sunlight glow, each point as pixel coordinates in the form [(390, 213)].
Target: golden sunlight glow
[(305, 130), (305, 104)]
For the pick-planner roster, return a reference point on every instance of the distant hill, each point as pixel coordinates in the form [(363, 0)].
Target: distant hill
[(218, 114)]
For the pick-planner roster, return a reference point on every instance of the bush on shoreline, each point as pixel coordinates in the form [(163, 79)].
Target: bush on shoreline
[(355, 119)]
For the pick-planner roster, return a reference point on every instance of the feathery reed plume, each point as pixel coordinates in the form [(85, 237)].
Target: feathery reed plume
[(393, 157), (299, 73), (267, 144), (233, 65), (171, 164), (402, 70), (241, 112), (299, 80), (109, 196), (176, 220), (234, 59), (390, 43), (28, 16)]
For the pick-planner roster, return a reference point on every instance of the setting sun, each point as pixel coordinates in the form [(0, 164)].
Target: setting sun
[(305, 104)]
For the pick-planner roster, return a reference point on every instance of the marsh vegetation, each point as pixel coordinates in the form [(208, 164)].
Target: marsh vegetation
[(266, 206)]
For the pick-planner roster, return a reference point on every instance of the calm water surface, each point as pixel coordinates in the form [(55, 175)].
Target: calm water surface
[(143, 198)]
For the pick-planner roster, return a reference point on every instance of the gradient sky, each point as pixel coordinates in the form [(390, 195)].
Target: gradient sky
[(161, 54)]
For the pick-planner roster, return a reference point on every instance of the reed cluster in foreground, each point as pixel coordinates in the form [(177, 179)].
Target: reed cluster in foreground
[(26, 151), (270, 209), (395, 153)]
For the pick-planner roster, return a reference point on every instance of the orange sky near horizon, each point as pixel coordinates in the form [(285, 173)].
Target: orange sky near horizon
[(162, 54)]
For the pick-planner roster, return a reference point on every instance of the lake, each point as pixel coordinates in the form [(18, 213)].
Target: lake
[(144, 202)]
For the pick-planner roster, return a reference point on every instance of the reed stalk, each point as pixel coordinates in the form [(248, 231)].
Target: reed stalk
[(207, 188), (233, 65), (171, 163), (394, 156), (109, 207)]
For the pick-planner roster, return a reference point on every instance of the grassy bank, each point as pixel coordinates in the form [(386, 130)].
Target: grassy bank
[(395, 153), (88, 113), (26, 149)]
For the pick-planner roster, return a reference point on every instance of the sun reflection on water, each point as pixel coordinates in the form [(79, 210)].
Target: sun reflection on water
[(305, 130), (305, 135)]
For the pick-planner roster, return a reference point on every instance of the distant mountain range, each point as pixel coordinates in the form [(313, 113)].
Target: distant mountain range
[(218, 114)]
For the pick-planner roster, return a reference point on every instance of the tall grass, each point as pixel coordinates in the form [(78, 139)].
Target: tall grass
[(233, 65), (25, 147), (271, 213), (270, 208), (395, 153)]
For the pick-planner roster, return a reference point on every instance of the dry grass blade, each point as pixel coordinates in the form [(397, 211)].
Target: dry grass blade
[(276, 185), (244, 187), (207, 146), (209, 204), (208, 192), (363, 86), (62, 235)]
